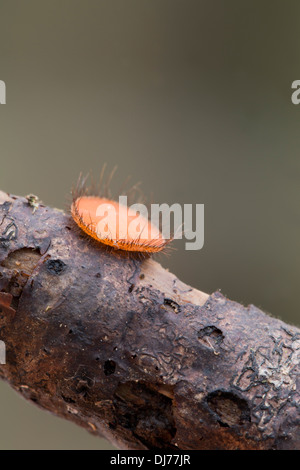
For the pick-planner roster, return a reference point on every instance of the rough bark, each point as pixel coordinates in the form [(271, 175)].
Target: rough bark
[(123, 348)]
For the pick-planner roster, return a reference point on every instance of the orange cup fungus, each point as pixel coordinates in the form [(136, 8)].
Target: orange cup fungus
[(116, 225)]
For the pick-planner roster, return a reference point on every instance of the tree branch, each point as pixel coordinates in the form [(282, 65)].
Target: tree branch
[(123, 348)]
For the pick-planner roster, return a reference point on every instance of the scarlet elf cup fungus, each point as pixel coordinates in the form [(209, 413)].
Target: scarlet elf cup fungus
[(114, 224)]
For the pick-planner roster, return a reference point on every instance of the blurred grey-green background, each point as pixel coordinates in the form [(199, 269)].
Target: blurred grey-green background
[(193, 98)]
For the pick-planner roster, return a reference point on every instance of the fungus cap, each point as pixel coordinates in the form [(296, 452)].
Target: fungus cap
[(116, 225)]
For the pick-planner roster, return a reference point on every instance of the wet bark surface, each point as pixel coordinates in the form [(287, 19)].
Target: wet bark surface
[(123, 348)]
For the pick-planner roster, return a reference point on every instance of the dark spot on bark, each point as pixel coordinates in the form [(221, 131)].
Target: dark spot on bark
[(109, 367), (142, 276), (146, 413), (228, 408), (131, 288), (174, 305), (6, 206), (98, 275), (68, 399), (210, 336), (55, 266)]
